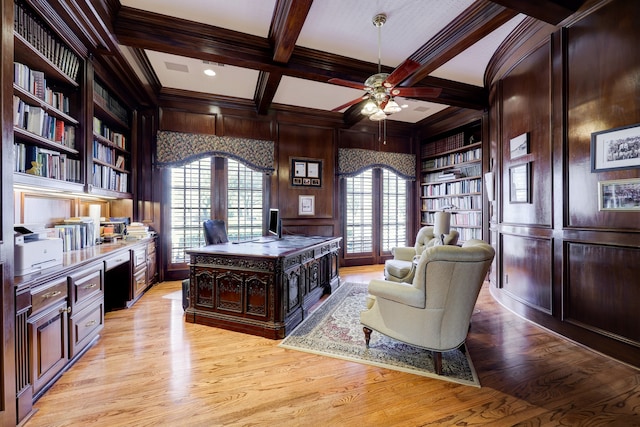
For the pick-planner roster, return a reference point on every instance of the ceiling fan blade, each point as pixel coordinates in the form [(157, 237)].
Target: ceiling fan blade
[(347, 83), (416, 92), (404, 70), (348, 104)]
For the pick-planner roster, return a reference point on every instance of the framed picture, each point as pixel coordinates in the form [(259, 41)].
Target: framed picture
[(619, 195), (519, 191), (617, 148), (306, 205), (519, 146), (306, 172)]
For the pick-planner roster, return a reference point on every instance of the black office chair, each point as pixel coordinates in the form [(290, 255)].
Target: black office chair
[(215, 231)]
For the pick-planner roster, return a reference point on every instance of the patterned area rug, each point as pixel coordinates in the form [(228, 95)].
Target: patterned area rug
[(334, 330)]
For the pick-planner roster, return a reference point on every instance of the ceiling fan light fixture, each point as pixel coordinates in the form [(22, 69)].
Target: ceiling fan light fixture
[(392, 107), (369, 107), (378, 116)]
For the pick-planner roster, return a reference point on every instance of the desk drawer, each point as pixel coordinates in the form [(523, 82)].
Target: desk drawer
[(48, 294), (116, 260), (139, 258), (85, 325), (85, 285)]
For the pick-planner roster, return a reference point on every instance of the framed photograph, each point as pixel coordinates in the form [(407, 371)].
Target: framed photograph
[(306, 172), (306, 205), (519, 191), (299, 169), (519, 146), (617, 148), (619, 195)]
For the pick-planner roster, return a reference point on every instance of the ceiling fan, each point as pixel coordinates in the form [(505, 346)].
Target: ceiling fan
[(381, 87)]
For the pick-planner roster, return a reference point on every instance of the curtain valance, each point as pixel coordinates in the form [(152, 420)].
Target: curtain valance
[(180, 148), (352, 161)]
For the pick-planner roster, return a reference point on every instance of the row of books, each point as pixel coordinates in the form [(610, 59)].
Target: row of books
[(46, 163), (35, 82), (461, 219), (461, 202), (452, 188), (466, 171), (103, 97), (77, 233), (108, 155), (100, 128), (444, 144), (109, 179), (36, 120), (28, 25), (452, 159)]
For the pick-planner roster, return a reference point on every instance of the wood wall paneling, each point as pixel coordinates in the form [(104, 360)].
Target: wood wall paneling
[(243, 127), (182, 121), (600, 298), (602, 93), (526, 108), (296, 141), (526, 271)]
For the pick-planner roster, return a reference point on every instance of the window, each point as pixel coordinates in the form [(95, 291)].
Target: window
[(192, 192), (190, 206), (244, 201), (359, 213), (375, 215), (394, 211)]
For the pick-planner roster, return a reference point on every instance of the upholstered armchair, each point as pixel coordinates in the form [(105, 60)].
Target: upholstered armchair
[(402, 267), (434, 311)]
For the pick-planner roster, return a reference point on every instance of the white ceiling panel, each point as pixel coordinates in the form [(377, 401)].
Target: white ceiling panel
[(247, 16), (305, 93), (184, 73)]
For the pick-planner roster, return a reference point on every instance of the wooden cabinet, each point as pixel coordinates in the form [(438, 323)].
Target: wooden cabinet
[(451, 179), (47, 327), (152, 263), (86, 294), (139, 267)]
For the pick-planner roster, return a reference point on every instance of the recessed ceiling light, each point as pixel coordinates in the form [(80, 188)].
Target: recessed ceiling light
[(209, 72)]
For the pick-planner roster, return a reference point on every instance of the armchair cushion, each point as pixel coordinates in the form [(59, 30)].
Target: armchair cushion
[(403, 293)]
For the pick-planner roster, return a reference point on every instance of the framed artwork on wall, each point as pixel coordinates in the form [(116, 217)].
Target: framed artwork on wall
[(619, 195), (519, 184), (519, 146), (306, 172), (306, 205), (617, 148)]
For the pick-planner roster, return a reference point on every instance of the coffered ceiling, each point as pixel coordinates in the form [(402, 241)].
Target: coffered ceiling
[(284, 52)]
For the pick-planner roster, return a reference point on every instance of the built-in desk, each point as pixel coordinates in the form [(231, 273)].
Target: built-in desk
[(263, 287)]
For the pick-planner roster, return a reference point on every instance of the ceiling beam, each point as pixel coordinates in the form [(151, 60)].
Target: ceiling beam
[(266, 89), (550, 11), (476, 22), (288, 18)]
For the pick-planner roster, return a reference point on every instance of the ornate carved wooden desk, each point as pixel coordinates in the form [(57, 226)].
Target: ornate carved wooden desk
[(263, 287)]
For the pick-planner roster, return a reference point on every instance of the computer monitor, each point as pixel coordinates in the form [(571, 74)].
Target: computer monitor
[(275, 223)]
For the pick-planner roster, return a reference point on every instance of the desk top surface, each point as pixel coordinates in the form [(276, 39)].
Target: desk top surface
[(265, 246)]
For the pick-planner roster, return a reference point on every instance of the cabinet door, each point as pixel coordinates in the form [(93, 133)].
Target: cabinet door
[(49, 344)]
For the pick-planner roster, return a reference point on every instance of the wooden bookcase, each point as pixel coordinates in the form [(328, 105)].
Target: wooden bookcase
[(451, 179), (48, 144), (111, 148)]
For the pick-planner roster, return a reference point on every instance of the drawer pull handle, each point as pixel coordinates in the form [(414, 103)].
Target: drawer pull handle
[(65, 310), (90, 323), (51, 294), (90, 286)]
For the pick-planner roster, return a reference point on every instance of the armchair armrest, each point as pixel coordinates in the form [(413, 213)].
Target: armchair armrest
[(404, 253), (402, 293)]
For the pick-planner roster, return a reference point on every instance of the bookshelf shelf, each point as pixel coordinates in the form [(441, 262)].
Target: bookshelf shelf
[(451, 178)]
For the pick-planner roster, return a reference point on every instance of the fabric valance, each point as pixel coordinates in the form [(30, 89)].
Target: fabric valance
[(352, 161), (180, 148)]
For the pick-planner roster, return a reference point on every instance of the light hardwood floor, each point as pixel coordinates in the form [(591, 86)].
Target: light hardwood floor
[(150, 368)]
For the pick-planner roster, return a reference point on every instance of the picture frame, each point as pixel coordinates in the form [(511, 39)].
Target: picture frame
[(619, 195), (306, 172), (519, 146), (306, 205), (519, 184), (615, 149)]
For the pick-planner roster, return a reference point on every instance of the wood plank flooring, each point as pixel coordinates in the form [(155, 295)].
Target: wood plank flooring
[(150, 368)]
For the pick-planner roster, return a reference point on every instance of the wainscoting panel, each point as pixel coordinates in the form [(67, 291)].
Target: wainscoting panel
[(526, 271), (601, 281)]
